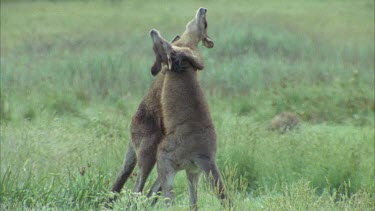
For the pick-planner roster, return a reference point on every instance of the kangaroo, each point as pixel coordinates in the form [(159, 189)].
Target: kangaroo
[(189, 142), (147, 128)]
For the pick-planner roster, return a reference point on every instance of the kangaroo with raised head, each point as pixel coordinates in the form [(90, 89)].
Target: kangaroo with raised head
[(147, 124), (189, 142)]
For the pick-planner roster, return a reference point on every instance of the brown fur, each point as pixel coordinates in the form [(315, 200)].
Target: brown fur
[(284, 122), (147, 123), (190, 140)]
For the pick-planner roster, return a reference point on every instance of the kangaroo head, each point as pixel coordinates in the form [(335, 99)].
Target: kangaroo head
[(176, 60), (157, 64), (163, 51), (196, 31)]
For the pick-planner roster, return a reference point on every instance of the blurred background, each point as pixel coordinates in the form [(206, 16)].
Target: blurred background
[(74, 72)]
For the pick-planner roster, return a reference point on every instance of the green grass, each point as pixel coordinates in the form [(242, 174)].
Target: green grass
[(73, 73)]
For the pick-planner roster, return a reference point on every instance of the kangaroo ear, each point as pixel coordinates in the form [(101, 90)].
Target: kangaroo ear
[(177, 37), (207, 42), (156, 67)]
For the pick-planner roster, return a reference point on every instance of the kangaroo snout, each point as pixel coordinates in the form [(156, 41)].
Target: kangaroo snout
[(201, 12), (153, 32), (154, 35)]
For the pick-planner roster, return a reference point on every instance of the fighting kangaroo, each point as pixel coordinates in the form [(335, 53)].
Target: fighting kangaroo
[(147, 124), (189, 142)]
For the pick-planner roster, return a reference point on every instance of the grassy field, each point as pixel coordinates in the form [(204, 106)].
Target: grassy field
[(74, 72)]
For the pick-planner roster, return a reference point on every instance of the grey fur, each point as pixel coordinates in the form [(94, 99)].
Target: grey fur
[(190, 140)]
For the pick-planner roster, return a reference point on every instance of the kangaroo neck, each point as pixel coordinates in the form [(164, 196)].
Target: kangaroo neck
[(188, 40), (181, 83)]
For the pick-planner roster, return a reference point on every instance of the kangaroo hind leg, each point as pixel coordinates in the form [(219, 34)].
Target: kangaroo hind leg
[(209, 167), (193, 177), (155, 189), (166, 175), (146, 162), (127, 168)]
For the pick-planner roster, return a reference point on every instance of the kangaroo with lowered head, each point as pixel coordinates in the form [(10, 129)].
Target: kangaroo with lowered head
[(189, 142), (147, 124)]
